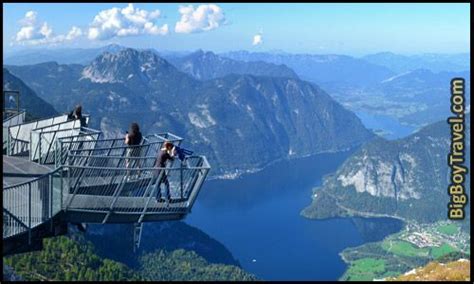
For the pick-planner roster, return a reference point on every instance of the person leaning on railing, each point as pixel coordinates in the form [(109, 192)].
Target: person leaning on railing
[(167, 153), (133, 138), (77, 114)]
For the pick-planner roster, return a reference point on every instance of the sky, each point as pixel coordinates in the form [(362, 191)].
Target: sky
[(318, 28)]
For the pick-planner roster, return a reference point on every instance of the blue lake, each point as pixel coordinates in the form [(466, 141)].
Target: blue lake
[(392, 128), (257, 217)]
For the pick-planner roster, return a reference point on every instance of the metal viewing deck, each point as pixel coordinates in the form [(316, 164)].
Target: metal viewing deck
[(56, 172)]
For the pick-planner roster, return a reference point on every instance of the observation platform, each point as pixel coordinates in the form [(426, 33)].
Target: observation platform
[(19, 169), (57, 172)]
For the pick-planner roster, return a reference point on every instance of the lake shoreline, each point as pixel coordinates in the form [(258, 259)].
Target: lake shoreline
[(257, 217)]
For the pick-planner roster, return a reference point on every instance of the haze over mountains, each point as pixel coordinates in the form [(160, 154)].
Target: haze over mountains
[(241, 122), (208, 65), (434, 62), (247, 110), (388, 84)]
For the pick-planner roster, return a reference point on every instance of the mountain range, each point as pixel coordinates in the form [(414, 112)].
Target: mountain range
[(208, 65), (241, 122), (433, 62), (322, 69), (415, 98), (62, 55), (36, 106), (405, 178)]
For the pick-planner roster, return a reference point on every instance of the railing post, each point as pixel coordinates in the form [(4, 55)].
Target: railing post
[(181, 179), (51, 199), (29, 213), (56, 147), (61, 191), (68, 179), (31, 145), (39, 148), (8, 142)]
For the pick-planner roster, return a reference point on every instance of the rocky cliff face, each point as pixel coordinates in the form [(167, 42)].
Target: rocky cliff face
[(407, 178), (241, 122)]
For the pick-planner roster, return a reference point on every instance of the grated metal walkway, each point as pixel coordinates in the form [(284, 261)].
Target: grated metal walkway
[(20, 169), (55, 171)]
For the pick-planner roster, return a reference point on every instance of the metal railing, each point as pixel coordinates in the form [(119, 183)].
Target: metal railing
[(116, 147), (94, 175), (22, 132), (11, 120), (124, 190), (134, 185), (86, 140), (29, 204), (19, 136), (42, 139)]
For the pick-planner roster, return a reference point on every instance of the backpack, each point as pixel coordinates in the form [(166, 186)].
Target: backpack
[(182, 153)]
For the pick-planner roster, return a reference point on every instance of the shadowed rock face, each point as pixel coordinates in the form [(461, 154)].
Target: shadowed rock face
[(240, 122), (34, 105), (407, 178)]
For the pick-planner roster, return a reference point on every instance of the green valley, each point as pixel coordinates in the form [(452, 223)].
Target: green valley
[(415, 246)]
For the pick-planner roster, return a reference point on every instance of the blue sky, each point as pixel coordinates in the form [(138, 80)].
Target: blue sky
[(353, 29)]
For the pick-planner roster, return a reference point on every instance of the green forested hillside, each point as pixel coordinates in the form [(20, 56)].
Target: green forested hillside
[(67, 259), (187, 265), (63, 259)]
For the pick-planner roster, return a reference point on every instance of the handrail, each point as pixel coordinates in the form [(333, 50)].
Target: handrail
[(93, 184), (39, 136), (32, 202), (41, 129), (22, 113), (9, 187), (49, 117), (19, 136), (64, 144)]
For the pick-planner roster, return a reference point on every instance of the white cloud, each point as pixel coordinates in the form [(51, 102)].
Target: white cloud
[(204, 18), (31, 30), (34, 33), (257, 39), (128, 21), (75, 32)]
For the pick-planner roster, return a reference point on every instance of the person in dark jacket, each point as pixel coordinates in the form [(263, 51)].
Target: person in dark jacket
[(133, 138), (77, 114), (166, 154)]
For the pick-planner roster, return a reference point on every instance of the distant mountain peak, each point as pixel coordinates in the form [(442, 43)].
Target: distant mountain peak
[(125, 65), (205, 65)]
